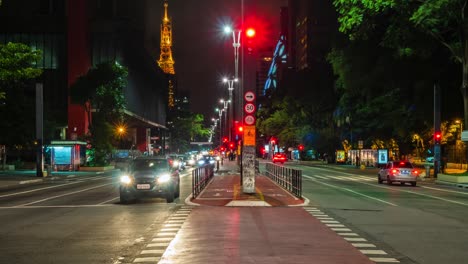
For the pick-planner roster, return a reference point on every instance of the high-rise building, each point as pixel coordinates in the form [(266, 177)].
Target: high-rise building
[(76, 35)]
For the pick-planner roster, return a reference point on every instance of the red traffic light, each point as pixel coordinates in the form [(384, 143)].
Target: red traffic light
[(240, 129), (231, 145), (222, 149), (437, 137), (250, 32), (225, 139), (301, 147)]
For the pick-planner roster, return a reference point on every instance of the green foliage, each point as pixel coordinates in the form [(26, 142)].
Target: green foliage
[(102, 89), (17, 94), (186, 127)]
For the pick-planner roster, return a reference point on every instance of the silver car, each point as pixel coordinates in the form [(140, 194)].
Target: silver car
[(398, 171)]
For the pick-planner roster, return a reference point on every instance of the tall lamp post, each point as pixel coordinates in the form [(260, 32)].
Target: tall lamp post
[(225, 108), (236, 35), (220, 113), (230, 83)]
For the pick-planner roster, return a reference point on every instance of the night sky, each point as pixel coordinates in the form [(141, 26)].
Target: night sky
[(202, 54)]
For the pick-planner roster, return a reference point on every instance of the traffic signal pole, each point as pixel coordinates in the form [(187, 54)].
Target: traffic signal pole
[(437, 134)]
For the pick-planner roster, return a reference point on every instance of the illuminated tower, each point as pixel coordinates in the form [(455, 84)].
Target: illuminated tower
[(165, 62)]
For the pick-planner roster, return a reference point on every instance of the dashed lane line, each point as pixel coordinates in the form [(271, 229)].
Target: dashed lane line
[(368, 249)]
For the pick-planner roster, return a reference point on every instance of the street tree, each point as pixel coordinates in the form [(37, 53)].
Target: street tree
[(102, 89), (17, 73), (443, 20)]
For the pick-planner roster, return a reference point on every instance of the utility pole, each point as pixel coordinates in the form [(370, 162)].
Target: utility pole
[(39, 129)]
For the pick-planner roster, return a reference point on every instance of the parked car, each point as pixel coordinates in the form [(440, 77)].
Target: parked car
[(149, 177), (279, 157), (398, 171)]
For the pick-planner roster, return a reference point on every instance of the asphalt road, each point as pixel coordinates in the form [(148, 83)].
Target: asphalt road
[(425, 224), (79, 219)]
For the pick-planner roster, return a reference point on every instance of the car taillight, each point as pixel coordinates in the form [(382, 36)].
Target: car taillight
[(415, 172), (394, 171)]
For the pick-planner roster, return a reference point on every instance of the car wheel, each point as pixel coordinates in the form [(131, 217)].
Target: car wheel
[(413, 184), (379, 180), (170, 196), (177, 192), (402, 183), (389, 182), (124, 199)]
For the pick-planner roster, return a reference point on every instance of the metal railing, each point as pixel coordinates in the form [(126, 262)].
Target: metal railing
[(289, 179), (200, 179)]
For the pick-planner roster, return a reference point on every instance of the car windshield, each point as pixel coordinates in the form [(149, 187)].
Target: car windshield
[(402, 164), (150, 164)]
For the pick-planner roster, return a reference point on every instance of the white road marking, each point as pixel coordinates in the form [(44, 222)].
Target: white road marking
[(363, 245), (162, 239), (334, 225), (162, 245), (36, 190), (347, 234), (341, 229), (113, 199), (355, 239), (153, 251), (373, 252), (384, 260), (66, 194), (442, 190), (395, 189), (349, 190), (149, 259)]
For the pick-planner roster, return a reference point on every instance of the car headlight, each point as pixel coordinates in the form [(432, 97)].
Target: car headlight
[(176, 163), (125, 179), (201, 162), (212, 161), (164, 178), (218, 158)]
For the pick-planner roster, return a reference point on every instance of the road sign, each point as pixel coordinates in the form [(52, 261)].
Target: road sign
[(249, 136), (249, 120), (249, 96), (249, 108)]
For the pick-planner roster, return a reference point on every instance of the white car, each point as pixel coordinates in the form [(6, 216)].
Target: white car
[(398, 171)]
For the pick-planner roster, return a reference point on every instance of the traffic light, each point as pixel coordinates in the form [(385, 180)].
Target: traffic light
[(273, 141), (437, 137), (231, 145), (250, 36), (225, 139), (240, 129), (301, 147)]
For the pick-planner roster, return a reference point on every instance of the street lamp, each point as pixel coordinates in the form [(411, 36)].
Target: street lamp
[(220, 113), (225, 108), (236, 34), (230, 83)]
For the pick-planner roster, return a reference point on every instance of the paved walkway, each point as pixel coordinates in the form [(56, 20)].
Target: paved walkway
[(268, 227)]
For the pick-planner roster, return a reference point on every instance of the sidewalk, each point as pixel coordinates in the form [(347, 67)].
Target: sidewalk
[(268, 227)]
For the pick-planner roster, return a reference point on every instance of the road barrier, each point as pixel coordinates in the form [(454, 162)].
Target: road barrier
[(289, 179), (200, 178)]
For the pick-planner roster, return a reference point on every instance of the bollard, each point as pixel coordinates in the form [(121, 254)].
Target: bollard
[(217, 165)]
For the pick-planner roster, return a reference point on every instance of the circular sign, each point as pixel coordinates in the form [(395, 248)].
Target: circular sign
[(249, 108), (249, 120), (249, 96)]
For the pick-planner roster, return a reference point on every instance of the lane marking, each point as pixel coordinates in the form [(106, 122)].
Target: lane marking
[(66, 194), (148, 259), (113, 199), (355, 239), (36, 190), (442, 190), (349, 190), (363, 245), (373, 252), (385, 260), (397, 189)]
